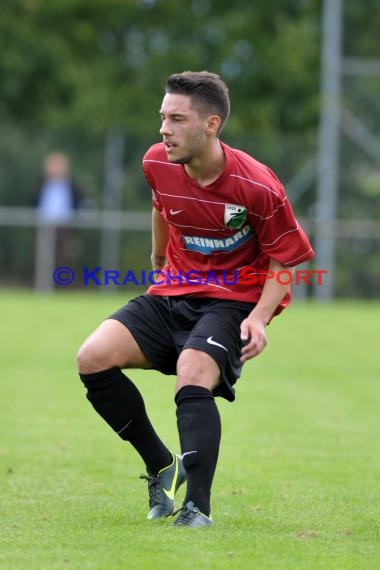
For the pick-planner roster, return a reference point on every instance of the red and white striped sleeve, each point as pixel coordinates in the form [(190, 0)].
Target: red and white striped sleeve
[(279, 233)]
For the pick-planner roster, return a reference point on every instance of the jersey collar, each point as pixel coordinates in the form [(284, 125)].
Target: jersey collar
[(222, 178)]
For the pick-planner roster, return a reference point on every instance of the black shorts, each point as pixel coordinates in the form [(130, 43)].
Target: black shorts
[(164, 326)]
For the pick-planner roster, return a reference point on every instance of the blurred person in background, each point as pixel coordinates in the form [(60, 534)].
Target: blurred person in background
[(57, 199), (58, 195)]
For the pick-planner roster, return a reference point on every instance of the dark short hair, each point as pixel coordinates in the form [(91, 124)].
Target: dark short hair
[(208, 92)]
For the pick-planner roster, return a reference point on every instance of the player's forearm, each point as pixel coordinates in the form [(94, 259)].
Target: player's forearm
[(272, 294), (160, 237)]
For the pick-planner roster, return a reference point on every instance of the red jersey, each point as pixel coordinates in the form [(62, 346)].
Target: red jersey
[(239, 221)]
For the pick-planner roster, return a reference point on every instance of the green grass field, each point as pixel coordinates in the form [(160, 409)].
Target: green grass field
[(298, 482)]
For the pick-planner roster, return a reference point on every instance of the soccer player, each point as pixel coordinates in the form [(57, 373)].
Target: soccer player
[(220, 220)]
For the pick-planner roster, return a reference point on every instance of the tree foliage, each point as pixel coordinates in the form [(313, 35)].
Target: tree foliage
[(91, 63)]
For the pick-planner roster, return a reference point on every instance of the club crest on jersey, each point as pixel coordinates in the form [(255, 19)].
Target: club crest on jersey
[(234, 216)]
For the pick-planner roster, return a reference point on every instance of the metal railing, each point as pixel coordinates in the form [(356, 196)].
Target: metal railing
[(111, 223)]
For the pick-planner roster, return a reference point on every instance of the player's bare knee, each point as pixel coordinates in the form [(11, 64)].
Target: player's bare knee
[(83, 360), (195, 368), (90, 359), (186, 377)]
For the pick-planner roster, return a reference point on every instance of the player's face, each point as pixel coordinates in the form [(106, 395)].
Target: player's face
[(183, 131)]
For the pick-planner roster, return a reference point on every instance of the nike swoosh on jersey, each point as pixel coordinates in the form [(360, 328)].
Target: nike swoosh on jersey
[(210, 341), (171, 492), (174, 212)]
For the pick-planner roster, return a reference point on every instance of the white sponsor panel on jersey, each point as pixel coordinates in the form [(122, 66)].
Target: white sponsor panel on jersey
[(211, 245)]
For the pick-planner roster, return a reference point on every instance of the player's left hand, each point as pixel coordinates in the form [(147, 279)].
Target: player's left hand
[(254, 338)]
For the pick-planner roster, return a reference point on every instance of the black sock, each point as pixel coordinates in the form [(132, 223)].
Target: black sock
[(199, 430), (120, 404)]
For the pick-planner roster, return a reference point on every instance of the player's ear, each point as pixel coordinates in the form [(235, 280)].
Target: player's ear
[(213, 124)]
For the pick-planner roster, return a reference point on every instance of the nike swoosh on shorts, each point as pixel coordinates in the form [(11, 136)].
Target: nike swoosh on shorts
[(210, 341)]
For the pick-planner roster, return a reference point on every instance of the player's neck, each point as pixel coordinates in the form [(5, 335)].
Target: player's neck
[(207, 168)]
